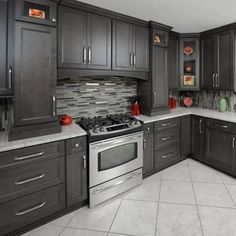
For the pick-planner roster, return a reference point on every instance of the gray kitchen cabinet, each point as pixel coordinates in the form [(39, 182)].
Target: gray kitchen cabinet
[(173, 61), (76, 171), (198, 131), (130, 47), (220, 146), (148, 152), (185, 133), (84, 40)]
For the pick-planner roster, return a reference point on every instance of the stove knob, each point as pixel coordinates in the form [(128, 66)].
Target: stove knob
[(102, 129), (95, 130)]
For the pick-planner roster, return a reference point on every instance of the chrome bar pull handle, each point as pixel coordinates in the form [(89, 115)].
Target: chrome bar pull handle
[(30, 180), (84, 55), (217, 81), (233, 142), (166, 124), (131, 60), (200, 126), (89, 55), (144, 144), (213, 78), (166, 138), (29, 156), (53, 105), (167, 155), (222, 126), (21, 213), (134, 60), (84, 161), (10, 78)]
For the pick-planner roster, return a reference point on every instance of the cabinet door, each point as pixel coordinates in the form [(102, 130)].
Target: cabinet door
[(209, 58), (148, 154), (4, 85), (141, 48), (71, 38), (122, 49), (197, 137), (185, 136), (173, 62), (225, 60), (99, 42), (35, 74), (76, 169), (219, 150), (160, 78)]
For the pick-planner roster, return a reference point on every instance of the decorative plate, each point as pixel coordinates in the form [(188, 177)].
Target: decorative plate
[(188, 50)]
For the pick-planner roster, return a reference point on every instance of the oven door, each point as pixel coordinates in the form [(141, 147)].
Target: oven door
[(115, 157)]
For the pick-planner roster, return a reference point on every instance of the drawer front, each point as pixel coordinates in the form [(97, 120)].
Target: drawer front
[(76, 145), (148, 128), (31, 154), (220, 125), (27, 179), (23, 211), (166, 137), (166, 156), (169, 123)]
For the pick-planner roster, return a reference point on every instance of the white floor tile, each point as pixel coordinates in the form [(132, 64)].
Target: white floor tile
[(201, 173), (228, 179), (45, 230), (232, 191), (212, 195), (81, 232), (192, 162), (98, 218), (177, 192), (63, 221), (178, 220), (218, 221), (135, 218), (147, 191), (114, 234), (177, 172)]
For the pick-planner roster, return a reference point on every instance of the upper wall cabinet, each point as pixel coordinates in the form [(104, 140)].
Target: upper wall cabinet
[(36, 11), (5, 68), (84, 40), (218, 55), (130, 47)]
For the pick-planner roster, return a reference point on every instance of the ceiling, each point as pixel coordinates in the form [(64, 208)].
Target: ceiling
[(186, 16)]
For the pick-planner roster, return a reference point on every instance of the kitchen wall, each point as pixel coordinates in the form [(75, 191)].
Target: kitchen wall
[(91, 97), (208, 99)]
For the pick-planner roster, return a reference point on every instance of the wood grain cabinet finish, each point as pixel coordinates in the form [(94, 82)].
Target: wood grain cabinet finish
[(198, 131), (35, 74), (173, 61), (76, 174), (31, 208), (148, 152), (218, 56), (5, 67), (84, 40), (130, 47)]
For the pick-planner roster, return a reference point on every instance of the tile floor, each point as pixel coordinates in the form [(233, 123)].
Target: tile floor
[(188, 199)]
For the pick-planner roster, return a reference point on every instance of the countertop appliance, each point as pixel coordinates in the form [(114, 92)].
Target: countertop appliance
[(115, 155)]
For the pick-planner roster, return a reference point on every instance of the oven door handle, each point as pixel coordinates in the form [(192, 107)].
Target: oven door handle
[(99, 190), (114, 142)]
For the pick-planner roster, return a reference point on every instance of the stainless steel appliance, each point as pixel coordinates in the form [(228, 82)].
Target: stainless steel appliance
[(115, 155)]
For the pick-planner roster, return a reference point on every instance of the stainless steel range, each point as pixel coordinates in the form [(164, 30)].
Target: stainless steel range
[(115, 155)]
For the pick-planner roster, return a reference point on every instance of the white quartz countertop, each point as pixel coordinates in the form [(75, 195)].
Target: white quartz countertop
[(226, 116), (68, 132)]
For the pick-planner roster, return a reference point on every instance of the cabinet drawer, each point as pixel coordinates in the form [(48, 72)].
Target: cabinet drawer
[(166, 137), (148, 128), (31, 154), (23, 211), (220, 125), (169, 123), (76, 145), (30, 178), (166, 156)]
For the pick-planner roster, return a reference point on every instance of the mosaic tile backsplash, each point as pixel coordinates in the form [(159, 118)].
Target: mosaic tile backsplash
[(89, 97), (208, 99)]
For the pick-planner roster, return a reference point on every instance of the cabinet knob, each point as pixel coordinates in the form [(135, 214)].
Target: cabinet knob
[(76, 145), (84, 161), (54, 20)]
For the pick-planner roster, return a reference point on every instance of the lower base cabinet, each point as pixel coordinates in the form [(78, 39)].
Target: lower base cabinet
[(185, 137)]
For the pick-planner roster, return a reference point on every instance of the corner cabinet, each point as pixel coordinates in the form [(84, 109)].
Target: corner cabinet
[(218, 58), (84, 40), (130, 47), (5, 67)]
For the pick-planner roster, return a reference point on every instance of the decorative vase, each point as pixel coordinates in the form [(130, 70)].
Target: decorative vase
[(222, 104)]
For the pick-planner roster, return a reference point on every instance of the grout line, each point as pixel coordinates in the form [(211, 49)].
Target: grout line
[(121, 200), (200, 221), (158, 205)]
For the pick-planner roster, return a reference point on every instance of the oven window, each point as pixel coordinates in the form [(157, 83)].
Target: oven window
[(117, 156)]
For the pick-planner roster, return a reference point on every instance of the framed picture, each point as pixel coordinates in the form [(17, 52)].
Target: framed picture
[(37, 13), (188, 80)]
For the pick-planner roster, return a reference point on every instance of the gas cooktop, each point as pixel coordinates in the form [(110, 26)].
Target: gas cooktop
[(110, 125)]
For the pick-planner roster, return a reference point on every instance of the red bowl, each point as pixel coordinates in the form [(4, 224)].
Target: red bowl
[(66, 120), (188, 102)]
